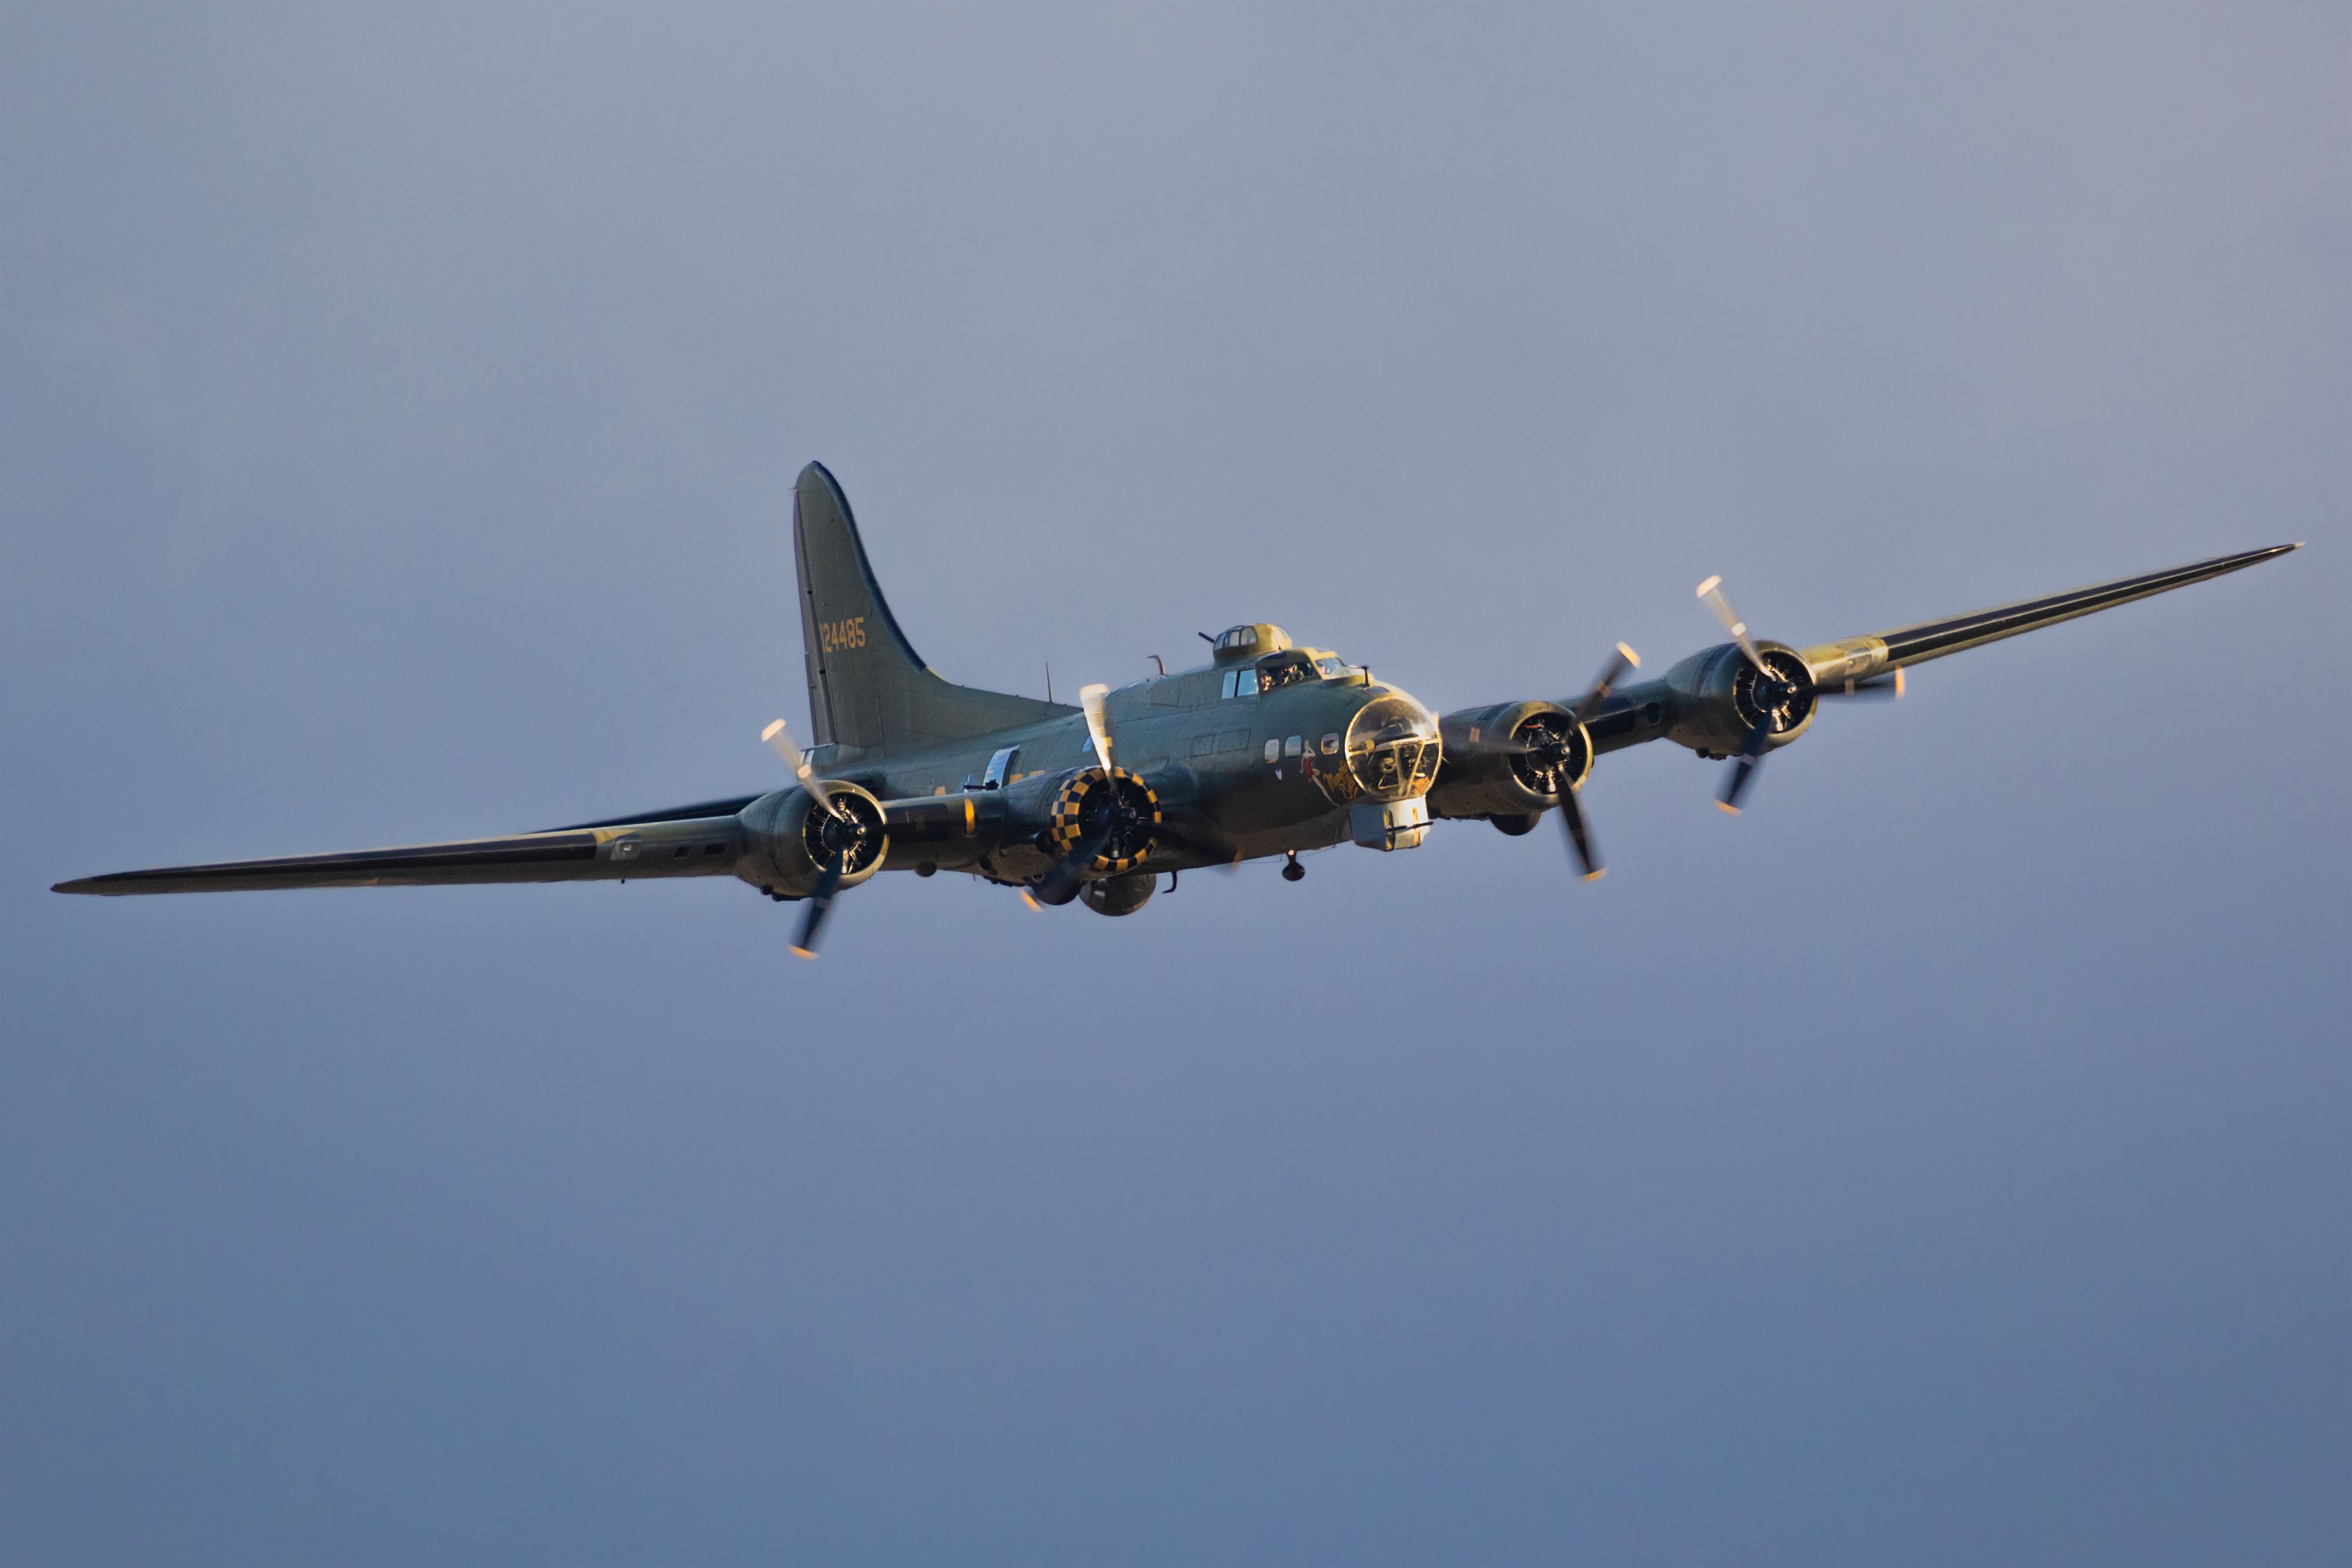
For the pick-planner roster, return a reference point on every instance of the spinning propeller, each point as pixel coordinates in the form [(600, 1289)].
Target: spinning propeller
[(1095, 701), (1571, 809), (1122, 823), (777, 736), (1556, 754), (840, 837), (1777, 691), (1551, 754)]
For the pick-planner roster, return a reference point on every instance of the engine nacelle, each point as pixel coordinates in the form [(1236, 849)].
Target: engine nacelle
[(1027, 827), (789, 839), (1717, 698), (1508, 761)]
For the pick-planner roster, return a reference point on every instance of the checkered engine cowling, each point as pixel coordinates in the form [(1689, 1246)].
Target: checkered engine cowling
[(1081, 805)]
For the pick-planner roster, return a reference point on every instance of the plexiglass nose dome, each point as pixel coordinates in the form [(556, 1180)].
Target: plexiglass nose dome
[(1392, 748)]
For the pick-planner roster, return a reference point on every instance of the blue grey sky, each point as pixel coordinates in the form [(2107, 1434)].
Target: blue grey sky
[(1944, 1163)]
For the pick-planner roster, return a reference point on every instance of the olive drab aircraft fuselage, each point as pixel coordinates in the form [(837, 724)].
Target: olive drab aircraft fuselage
[(1268, 749)]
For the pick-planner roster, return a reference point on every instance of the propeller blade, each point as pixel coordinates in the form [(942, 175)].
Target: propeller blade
[(1881, 688), (780, 740), (1065, 873), (828, 883), (1571, 805), (1622, 660), (1579, 838), (1744, 769), (1711, 591), (1095, 700)]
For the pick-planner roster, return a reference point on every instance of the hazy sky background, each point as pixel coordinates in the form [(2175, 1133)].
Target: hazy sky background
[(1944, 1163)]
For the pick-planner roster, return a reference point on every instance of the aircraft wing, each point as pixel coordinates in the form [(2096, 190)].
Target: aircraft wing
[(658, 845), (1859, 658)]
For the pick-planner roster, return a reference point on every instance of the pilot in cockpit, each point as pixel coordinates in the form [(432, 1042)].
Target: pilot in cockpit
[(1285, 669)]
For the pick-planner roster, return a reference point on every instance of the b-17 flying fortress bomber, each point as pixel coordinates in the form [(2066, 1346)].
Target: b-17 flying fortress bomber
[(1269, 749)]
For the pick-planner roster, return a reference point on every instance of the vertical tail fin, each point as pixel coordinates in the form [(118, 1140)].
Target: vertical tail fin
[(869, 689)]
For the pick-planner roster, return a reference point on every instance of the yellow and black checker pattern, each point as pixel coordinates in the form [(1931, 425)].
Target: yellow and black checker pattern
[(1071, 802)]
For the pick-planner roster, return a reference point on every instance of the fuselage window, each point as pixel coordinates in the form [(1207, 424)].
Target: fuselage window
[(1273, 751), (1292, 747)]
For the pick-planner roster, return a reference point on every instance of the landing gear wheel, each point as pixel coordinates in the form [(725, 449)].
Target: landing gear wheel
[(1291, 870)]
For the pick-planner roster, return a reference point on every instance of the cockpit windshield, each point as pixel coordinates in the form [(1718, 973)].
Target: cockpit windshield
[(1392, 748), (1287, 669)]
